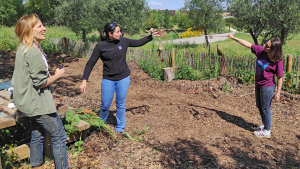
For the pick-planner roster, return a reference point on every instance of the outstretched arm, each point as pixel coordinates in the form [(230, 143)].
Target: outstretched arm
[(240, 41), (143, 41), (140, 42)]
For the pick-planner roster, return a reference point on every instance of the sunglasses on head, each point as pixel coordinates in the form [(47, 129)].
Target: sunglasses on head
[(112, 26)]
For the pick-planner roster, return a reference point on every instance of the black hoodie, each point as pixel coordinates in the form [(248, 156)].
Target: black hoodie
[(113, 55)]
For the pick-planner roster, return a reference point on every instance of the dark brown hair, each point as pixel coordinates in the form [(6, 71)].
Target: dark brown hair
[(109, 27), (276, 47)]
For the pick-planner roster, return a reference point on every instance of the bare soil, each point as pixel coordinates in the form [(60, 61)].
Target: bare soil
[(194, 124)]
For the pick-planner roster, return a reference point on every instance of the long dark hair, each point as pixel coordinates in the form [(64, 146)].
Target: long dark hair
[(109, 27), (276, 47)]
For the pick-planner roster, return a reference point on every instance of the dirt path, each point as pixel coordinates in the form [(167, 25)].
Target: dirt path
[(191, 127)]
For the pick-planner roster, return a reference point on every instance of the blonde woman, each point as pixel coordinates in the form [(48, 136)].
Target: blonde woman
[(31, 80)]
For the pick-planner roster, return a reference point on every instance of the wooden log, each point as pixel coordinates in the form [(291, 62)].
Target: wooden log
[(168, 74), (297, 72), (6, 121)]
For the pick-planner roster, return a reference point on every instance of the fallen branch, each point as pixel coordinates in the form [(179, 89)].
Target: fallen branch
[(246, 94)]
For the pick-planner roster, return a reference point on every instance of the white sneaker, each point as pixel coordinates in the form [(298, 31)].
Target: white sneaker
[(261, 127), (262, 134)]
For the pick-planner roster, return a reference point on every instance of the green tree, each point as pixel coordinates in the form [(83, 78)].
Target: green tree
[(183, 20), (152, 21), (283, 19), (79, 15), (206, 14), (229, 22), (129, 14), (11, 11), (250, 15), (45, 9), (167, 20)]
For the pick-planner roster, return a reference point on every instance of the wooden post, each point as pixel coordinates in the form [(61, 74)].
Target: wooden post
[(289, 68), (173, 59), (297, 71), (65, 44)]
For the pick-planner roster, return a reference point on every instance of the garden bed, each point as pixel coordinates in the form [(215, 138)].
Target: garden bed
[(193, 124)]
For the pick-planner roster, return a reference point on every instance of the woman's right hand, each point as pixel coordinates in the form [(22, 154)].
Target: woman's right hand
[(230, 36), (83, 86), (60, 72)]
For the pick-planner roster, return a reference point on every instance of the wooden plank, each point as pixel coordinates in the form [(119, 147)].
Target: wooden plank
[(297, 72), (6, 121), (83, 125), (23, 151), (5, 94)]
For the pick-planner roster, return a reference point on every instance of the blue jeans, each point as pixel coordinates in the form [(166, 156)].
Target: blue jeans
[(52, 124), (264, 97), (108, 88)]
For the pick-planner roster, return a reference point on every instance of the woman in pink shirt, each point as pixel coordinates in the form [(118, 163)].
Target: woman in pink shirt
[(268, 62)]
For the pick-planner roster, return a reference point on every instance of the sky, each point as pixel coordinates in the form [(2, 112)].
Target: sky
[(166, 4)]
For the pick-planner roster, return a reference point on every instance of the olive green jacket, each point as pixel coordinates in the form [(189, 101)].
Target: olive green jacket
[(30, 74)]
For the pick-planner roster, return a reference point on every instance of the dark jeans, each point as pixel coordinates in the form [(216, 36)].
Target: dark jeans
[(108, 88), (52, 124), (264, 97)]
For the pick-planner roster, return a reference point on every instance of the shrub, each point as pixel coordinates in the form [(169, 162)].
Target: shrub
[(192, 32)]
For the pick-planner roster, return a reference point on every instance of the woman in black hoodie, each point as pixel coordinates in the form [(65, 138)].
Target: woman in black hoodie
[(112, 51)]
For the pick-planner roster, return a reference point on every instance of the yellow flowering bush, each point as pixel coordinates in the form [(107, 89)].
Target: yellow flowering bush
[(8, 156), (192, 32)]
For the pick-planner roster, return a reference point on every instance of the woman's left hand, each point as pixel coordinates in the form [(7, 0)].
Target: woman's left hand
[(159, 33), (277, 98)]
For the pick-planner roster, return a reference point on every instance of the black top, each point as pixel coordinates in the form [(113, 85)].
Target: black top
[(113, 55)]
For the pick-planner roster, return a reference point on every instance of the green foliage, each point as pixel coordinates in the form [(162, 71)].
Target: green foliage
[(97, 122), (154, 70), (205, 14), (71, 120), (7, 39), (78, 146), (45, 9), (152, 21), (283, 19), (266, 19), (8, 157), (187, 73), (10, 12), (48, 47), (129, 14), (183, 20), (79, 15), (225, 88), (167, 19), (139, 134)]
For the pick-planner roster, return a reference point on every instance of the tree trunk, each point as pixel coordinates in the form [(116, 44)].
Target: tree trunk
[(253, 37), (282, 35), (206, 38), (83, 36)]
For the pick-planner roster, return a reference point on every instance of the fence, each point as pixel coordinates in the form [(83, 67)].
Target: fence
[(207, 61), (199, 61)]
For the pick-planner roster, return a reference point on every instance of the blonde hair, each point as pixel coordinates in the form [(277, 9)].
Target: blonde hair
[(24, 27)]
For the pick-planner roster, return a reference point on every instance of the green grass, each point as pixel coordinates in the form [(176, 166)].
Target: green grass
[(8, 41)]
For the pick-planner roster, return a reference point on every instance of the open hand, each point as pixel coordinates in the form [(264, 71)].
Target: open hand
[(158, 33)]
